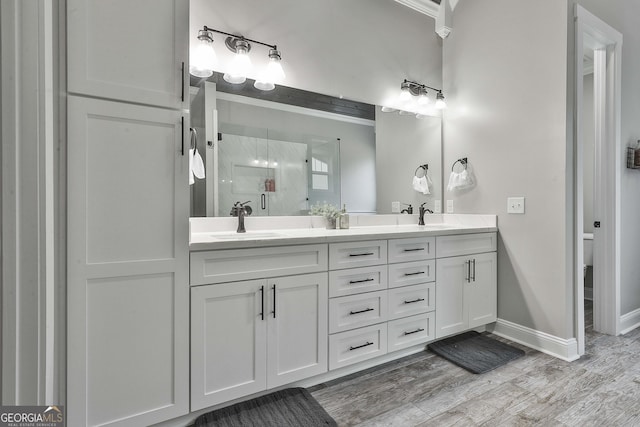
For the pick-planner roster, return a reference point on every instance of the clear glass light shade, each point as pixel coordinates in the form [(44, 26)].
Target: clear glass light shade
[(272, 74), (423, 98), (239, 68), (405, 95), (440, 104), (203, 59)]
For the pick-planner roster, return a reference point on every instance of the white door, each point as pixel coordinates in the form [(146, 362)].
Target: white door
[(297, 319), (132, 51), (228, 341), (451, 306), (128, 358), (482, 290)]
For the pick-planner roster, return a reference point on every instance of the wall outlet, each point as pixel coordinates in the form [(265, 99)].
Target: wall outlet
[(437, 206), (449, 206), (515, 205), (395, 207)]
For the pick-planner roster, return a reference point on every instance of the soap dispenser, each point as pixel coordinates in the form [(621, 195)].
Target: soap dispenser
[(344, 217)]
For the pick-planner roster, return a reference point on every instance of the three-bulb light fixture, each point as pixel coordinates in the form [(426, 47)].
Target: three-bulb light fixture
[(414, 99), (203, 60)]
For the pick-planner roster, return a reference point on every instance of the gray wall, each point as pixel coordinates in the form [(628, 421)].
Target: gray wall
[(402, 144), (623, 16), (505, 73)]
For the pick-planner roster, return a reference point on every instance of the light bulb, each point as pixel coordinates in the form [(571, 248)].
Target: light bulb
[(405, 94), (440, 104), (386, 109), (423, 98), (203, 57), (240, 64)]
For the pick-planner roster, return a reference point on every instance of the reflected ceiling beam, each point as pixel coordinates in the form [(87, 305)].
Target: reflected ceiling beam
[(427, 7)]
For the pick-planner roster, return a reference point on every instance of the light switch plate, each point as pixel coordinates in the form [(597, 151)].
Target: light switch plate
[(395, 207), (515, 205), (437, 206), (449, 206)]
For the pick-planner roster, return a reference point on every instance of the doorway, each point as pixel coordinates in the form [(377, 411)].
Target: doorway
[(593, 37)]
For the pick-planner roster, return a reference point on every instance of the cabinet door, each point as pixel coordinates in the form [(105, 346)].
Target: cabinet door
[(127, 254), (482, 292), (451, 305), (228, 342), (132, 51), (297, 328)]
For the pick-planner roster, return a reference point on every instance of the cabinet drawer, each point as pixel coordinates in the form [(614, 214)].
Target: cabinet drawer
[(465, 244), (410, 300), (357, 310), (357, 280), (357, 254), (415, 249), (410, 331), (355, 346), (245, 264), (411, 273)]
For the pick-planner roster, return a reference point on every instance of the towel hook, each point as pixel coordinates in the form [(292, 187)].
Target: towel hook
[(424, 167), (462, 161)]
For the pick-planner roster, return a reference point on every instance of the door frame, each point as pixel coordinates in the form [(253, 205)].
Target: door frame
[(607, 45)]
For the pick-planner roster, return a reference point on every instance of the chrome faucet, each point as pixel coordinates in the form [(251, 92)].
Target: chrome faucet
[(422, 210), (241, 210)]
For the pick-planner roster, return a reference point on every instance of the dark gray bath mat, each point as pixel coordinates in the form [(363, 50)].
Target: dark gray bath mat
[(292, 407), (475, 352)]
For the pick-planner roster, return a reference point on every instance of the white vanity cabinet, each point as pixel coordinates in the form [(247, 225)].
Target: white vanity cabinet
[(466, 285), (128, 212), (369, 317), (252, 335)]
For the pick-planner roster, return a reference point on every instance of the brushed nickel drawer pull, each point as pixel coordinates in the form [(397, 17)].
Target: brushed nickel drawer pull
[(360, 311), (414, 332), (413, 274), (351, 282), (414, 249), (362, 254), (414, 300), (360, 346)]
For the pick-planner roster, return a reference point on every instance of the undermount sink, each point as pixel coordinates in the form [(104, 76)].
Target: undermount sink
[(246, 236)]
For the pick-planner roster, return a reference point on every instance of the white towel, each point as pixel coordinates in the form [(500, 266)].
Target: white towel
[(421, 185), (196, 166), (461, 180)]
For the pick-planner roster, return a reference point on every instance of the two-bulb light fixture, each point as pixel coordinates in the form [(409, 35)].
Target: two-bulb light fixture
[(203, 60), (414, 99)]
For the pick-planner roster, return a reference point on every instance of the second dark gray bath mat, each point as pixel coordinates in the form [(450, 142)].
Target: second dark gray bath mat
[(475, 352)]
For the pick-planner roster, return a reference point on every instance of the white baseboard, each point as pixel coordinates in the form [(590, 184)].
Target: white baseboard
[(629, 321), (565, 349)]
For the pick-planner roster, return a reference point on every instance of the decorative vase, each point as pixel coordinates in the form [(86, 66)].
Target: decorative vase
[(331, 223)]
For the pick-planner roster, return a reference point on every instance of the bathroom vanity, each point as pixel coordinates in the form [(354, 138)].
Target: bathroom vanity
[(272, 307)]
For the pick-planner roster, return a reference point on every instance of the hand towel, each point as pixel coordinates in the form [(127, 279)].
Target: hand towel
[(198, 165), (421, 184), (191, 180)]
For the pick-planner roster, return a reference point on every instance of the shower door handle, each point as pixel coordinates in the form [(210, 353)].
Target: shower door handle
[(263, 201)]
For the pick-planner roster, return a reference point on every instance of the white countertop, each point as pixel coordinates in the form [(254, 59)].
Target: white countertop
[(203, 239)]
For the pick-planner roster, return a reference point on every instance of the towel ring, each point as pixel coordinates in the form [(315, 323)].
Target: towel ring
[(462, 161), (194, 138), (424, 168)]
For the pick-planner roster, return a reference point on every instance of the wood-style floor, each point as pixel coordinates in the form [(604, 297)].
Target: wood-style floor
[(600, 389)]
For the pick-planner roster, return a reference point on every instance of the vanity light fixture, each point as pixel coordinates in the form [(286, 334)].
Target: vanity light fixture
[(203, 60), (414, 98)]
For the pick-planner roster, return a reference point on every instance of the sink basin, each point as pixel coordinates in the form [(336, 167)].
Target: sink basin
[(246, 236)]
